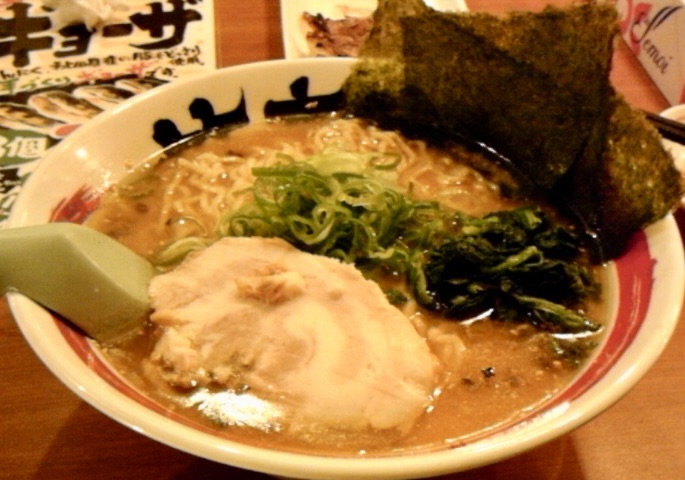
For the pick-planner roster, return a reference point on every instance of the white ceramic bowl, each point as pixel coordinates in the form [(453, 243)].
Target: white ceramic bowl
[(646, 291)]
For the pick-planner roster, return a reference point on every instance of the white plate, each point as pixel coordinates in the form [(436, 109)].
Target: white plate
[(295, 29)]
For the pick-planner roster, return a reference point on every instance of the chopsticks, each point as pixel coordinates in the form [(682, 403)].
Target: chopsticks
[(669, 129)]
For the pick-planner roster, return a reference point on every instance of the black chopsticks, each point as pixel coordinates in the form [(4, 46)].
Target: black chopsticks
[(670, 129)]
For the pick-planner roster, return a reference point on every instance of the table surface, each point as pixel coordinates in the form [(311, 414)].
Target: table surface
[(46, 432)]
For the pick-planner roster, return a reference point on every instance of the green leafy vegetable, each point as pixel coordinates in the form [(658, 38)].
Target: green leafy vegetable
[(573, 351), (516, 263), (396, 297)]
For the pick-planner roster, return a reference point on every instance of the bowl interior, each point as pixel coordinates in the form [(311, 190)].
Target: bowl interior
[(645, 288)]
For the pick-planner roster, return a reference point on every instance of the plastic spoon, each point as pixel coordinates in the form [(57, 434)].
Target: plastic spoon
[(85, 276)]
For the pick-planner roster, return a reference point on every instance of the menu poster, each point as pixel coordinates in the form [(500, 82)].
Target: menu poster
[(62, 62)]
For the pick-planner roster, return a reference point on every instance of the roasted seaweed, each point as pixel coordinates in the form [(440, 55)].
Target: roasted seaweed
[(633, 184), (535, 88)]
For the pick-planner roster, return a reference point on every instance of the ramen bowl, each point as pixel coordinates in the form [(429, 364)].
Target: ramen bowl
[(646, 282)]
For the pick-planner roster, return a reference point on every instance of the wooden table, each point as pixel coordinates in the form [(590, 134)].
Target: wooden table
[(46, 432)]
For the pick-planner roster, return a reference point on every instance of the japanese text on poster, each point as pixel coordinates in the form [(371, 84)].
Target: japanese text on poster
[(61, 64)]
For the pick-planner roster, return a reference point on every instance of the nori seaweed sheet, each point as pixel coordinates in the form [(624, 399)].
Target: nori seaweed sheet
[(501, 101), (638, 178), (535, 87), (386, 36)]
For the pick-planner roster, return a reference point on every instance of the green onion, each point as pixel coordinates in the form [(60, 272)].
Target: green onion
[(176, 251), (356, 217)]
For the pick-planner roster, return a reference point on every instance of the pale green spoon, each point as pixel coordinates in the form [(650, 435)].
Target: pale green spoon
[(85, 276)]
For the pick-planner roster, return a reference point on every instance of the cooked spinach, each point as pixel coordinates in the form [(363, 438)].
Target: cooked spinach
[(518, 264)]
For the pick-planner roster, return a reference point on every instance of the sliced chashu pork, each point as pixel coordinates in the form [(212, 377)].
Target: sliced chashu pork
[(303, 331)]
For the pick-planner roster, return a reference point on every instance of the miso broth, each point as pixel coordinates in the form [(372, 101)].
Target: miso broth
[(503, 370)]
